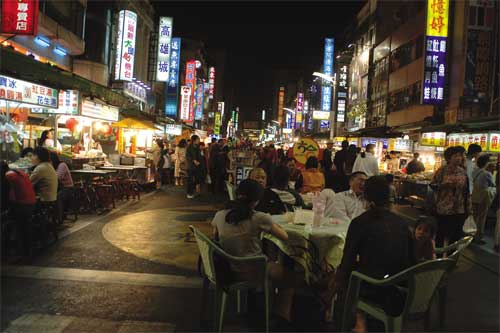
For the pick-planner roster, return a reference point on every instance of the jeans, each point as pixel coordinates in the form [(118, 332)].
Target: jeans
[(449, 227)]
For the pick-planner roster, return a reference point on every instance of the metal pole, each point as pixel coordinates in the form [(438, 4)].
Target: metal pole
[(496, 70)]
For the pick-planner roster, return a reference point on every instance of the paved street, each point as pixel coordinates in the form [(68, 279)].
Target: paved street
[(135, 269)]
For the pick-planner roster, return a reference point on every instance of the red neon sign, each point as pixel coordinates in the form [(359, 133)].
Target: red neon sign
[(19, 17)]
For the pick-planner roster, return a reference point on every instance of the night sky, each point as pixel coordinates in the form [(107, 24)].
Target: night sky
[(260, 37)]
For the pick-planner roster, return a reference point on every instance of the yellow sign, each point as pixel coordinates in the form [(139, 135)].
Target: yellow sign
[(217, 123), (437, 18), (494, 142), (435, 139), (305, 148)]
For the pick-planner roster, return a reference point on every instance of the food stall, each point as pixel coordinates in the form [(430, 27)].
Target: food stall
[(135, 137), (415, 187)]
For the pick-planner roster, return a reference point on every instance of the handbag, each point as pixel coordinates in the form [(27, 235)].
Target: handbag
[(470, 226)]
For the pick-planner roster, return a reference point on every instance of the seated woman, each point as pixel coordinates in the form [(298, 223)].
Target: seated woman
[(18, 196), (311, 179), (378, 244), (65, 184), (279, 199), (44, 176), (238, 229), (292, 167)]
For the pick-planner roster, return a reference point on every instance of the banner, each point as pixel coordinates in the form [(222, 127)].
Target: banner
[(164, 39), (172, 94), (435, 52), (281, 104), (186, 103), (191, 83), (211, 83), (217, 123), (26, 92), (125, 46)]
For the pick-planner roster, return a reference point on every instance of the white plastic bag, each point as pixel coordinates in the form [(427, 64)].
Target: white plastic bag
[(470, 226)]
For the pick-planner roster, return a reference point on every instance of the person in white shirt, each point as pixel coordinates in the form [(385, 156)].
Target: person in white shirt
[(350, 204), (473, 153), (366, 162)]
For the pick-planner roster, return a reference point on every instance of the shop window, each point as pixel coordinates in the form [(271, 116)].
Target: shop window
[(403, 98), (69, 14), (472, 15), (406, 53)]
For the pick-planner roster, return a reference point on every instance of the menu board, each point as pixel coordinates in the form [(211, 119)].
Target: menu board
[(435, 139)]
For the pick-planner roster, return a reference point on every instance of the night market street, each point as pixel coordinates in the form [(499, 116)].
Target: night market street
[(135, 270)]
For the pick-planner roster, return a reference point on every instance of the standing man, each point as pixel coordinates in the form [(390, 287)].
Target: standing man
[(415, 166), (326, 164), (339, 161), (473, 153), (193, 158)]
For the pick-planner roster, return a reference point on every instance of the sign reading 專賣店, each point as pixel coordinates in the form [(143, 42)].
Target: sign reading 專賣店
[(434, 139), (26, 92), (305, 148), (19, 17), (435, 52)]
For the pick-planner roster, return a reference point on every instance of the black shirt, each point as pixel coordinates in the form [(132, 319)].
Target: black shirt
[(378, 243), (414, 166)]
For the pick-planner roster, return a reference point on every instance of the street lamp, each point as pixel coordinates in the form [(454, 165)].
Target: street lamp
[(289, 110), (324, 77)]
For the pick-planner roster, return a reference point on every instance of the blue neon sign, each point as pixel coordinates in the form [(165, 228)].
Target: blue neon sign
[(172, 90)]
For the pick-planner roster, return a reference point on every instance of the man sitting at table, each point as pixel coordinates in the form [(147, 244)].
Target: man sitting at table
[(279, 199), (349, 204), (378, 244)]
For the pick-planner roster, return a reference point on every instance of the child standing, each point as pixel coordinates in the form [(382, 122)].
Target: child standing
[(425, 231)]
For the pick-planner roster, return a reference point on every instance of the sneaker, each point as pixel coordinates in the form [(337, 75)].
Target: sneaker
[(190, 196)]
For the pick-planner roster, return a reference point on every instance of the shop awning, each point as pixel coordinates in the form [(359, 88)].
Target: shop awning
[(376, 132), (27, 68), (481, 124), (133, 123)]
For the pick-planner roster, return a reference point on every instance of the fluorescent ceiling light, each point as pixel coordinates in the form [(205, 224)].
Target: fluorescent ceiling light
[(60, 51), (41, 41)]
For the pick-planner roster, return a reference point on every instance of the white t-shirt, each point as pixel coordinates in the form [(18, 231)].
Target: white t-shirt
[(368, 165)]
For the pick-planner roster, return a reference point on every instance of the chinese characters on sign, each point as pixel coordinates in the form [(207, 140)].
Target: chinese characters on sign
[(186, 103), (217, 123), (26, 92), (466, 139), (191, 82), (300, 109), (173, 78), (494, 142), (435, 139), (326, 91), (164, 39), (68, 104), (19, 17), (135, 91), (125, 46), (211, 82), (342, 90), (281, 104), (435, 52), (99, 111), (198, 97), (477, 64)]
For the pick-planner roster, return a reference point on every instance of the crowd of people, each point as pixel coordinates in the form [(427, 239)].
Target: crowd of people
[(379, 242)]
